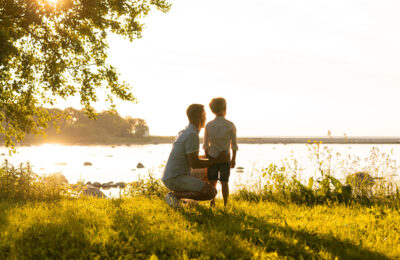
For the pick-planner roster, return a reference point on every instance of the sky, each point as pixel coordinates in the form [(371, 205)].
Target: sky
[(285, 67)]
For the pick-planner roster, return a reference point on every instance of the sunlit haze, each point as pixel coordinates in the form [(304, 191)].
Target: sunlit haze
[(286, 67)]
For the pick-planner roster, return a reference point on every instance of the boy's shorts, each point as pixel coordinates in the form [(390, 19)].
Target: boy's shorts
[(219, 172)]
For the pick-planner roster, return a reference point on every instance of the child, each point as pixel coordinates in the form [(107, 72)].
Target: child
[(220, 136)]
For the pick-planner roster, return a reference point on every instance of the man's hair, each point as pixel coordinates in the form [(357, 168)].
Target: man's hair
[(194, 112), (218, 105)]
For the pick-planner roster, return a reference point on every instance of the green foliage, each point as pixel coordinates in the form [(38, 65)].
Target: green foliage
[(282, 188), (148, 186), (50, 50), (23, 184), (282, 184), (143, 227)]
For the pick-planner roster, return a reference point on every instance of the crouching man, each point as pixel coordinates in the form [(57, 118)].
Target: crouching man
[(184, 157)]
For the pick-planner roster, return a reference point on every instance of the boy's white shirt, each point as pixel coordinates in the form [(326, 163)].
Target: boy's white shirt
[(219, 136)]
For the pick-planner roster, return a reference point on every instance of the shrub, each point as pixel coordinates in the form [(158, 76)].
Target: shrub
[(149, 186), (23, 184)]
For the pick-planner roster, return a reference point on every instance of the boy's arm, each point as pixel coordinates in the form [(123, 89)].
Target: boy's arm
[(206, 143), (234, 146), (233, 160)]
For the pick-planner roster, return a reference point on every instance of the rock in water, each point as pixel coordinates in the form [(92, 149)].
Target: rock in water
[(61, 163), (360, 179), (87, 164), (240, 169), (56, 178), (121, 184), (93, 192), (139, 166), (96, 184), (107, 185), (360, 183)]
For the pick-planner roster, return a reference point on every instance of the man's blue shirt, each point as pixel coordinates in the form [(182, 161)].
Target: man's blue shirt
[(185, 143)]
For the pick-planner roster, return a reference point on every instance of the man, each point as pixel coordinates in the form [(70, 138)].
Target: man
[(183, 157)]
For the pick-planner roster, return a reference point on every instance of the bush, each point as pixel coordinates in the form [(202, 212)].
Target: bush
[(23, 184), (149, 186)]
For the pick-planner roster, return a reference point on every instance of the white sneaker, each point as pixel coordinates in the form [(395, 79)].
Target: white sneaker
[(189, 202), (172, 201)]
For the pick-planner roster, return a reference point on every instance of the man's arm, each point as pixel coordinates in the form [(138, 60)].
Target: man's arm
[(195, 162)]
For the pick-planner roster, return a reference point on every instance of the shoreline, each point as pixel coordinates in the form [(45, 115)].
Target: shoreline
[(324, 140), (154, 140)]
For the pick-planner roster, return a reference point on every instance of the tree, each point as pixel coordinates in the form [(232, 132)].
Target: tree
[(138, 126), (77, 127), (59, 49)]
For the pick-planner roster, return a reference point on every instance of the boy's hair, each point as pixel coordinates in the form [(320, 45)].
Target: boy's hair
[(218, 105), (194, 112)]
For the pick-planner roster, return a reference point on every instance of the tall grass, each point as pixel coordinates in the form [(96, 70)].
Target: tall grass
[(148, 186), (21, 183), (367, 181)]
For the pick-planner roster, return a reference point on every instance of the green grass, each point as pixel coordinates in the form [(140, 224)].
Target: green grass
[(142, 227)]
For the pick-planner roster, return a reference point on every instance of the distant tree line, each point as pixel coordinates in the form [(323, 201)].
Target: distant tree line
[(73, 125)]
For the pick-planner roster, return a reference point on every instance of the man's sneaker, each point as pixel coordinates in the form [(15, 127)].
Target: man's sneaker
[(189, 202), (172, 201)]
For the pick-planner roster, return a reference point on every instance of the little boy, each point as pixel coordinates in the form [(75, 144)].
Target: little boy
[(220, 136)]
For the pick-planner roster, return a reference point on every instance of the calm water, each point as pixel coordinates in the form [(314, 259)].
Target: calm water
[(119, 163)]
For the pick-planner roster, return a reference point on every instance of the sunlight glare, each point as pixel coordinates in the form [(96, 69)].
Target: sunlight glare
[(52, 152)]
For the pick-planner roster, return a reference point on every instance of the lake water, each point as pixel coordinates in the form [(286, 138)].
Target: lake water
[(118, 163)]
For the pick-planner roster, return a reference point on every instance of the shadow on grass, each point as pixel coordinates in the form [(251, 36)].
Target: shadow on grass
[(270, 237), (64, 239), (5, 208), (143, 236)]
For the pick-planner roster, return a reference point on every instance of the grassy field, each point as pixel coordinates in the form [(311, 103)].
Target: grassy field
[(285, 218), (143, 227)]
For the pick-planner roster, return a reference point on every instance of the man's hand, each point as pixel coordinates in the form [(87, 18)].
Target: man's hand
[(233, 164), (195, 162)]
